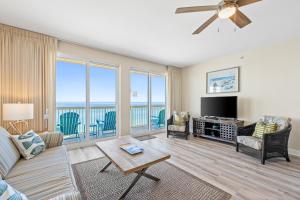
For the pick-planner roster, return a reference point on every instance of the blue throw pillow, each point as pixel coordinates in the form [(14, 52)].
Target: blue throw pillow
[(29, 144), (9, 193)]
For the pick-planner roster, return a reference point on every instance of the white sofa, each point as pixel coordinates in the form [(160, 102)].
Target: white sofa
[(46, 176)]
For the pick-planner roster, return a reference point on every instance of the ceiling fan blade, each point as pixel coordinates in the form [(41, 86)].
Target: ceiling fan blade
[(206, 24), (196, 9), (246, 2), (240, 19)]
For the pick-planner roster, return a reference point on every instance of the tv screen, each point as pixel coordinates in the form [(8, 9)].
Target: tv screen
[(219, 106)]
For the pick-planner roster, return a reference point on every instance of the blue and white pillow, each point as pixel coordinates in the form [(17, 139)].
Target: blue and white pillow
[(29, 144), (9, 193)]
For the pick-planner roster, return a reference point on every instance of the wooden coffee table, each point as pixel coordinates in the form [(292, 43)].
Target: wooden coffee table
[(127, 163)]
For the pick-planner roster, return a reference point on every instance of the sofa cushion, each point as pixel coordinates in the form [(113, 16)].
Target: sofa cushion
[(45, 176), (250, 141), (29, 144), (68, 196), (9, 153), (9, 193), (176, 128), (282, 122)]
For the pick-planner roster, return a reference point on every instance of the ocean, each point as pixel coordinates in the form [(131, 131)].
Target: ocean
[(96, 104), (139, 111)]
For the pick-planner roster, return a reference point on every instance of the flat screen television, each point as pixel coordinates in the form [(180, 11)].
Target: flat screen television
[(219, 106)]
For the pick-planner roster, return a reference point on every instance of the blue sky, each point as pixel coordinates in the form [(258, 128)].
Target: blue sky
[(71, 84)]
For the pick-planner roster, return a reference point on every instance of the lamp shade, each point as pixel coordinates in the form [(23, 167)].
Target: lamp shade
[(17, 111)]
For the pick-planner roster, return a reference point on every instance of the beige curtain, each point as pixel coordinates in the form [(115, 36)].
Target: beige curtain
[(27, 73), (174, 89)]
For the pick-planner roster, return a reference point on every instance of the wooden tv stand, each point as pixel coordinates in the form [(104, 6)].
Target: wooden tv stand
[(220, 129)]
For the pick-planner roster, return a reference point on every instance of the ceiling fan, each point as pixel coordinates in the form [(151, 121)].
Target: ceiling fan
[(225, 9)]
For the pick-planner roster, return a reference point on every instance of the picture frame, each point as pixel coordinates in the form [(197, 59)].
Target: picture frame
[(223, 81)]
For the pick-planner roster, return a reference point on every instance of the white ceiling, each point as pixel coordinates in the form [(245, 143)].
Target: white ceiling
[(149, 29)]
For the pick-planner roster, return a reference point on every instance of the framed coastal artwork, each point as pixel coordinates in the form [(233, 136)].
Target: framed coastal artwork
[(223, 81)]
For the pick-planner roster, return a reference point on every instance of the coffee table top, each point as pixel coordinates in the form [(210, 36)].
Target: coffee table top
[(131, 163)]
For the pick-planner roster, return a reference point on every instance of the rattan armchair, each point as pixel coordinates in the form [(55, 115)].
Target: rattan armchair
[(271, 145), (176, 130)]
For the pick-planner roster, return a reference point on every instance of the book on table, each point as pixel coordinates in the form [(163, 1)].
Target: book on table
[(132, 148)]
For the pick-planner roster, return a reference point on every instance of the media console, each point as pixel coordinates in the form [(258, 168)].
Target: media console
[(221, 129)]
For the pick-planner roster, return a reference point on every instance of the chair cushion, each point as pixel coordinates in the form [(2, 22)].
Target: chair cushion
[(45, 176), (29, 144), (9, 153), (282, 122), (262, 128), (9, 193), (250, 141), (180, 118), (176, 128)]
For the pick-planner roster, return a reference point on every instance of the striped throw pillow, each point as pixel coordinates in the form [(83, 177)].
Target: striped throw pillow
[(262, 128), (29, 144), (9, 193), (271, 128), (259, 130)]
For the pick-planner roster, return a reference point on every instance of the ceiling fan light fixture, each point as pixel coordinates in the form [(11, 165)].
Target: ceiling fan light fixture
[(227, 11)]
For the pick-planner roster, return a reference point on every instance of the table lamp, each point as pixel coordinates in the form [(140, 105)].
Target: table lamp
[(17, 113)]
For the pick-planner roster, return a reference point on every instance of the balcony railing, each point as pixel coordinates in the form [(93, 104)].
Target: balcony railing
[(139, 114)]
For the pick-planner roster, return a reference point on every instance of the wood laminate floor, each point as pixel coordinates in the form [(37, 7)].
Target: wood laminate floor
[(218, 164)]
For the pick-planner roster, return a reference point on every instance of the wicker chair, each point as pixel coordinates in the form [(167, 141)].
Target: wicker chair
[(272, 144), (176, 130)]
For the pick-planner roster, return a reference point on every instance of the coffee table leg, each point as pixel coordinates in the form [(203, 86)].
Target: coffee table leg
[(151, 177), (106, 166), (140, 174)]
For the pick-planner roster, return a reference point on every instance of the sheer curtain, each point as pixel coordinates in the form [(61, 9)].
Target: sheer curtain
[(174, 89), (27, 73)]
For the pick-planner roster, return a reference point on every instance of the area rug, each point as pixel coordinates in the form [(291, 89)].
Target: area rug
[(174, 184), (146, 137)]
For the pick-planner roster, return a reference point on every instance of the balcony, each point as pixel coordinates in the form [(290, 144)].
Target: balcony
[(99, 120)]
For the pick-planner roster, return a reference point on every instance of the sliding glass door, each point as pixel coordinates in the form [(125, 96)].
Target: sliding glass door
[(71, 99), (102, 101), (158, 102), (86, 106), (139, 115), (148, 102)]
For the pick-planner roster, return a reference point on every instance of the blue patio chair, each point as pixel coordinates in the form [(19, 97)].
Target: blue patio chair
[(159, 121), (69, 122), (109, 123)]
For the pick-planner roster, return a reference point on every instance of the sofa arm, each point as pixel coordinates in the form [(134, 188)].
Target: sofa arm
[(52, 139), (246, 130), (278, 138), (170, 121), (68, 196), (187, 125)]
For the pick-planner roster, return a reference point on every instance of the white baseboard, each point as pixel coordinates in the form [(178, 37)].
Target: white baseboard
[(294, 152)]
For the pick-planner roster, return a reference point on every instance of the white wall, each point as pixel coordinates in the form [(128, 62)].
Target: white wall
[(124, 63), (270, 84)]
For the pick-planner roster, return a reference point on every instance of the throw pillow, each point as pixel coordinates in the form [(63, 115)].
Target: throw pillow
[(180, 119), (262, 128), (29, 144), (9, 193)]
